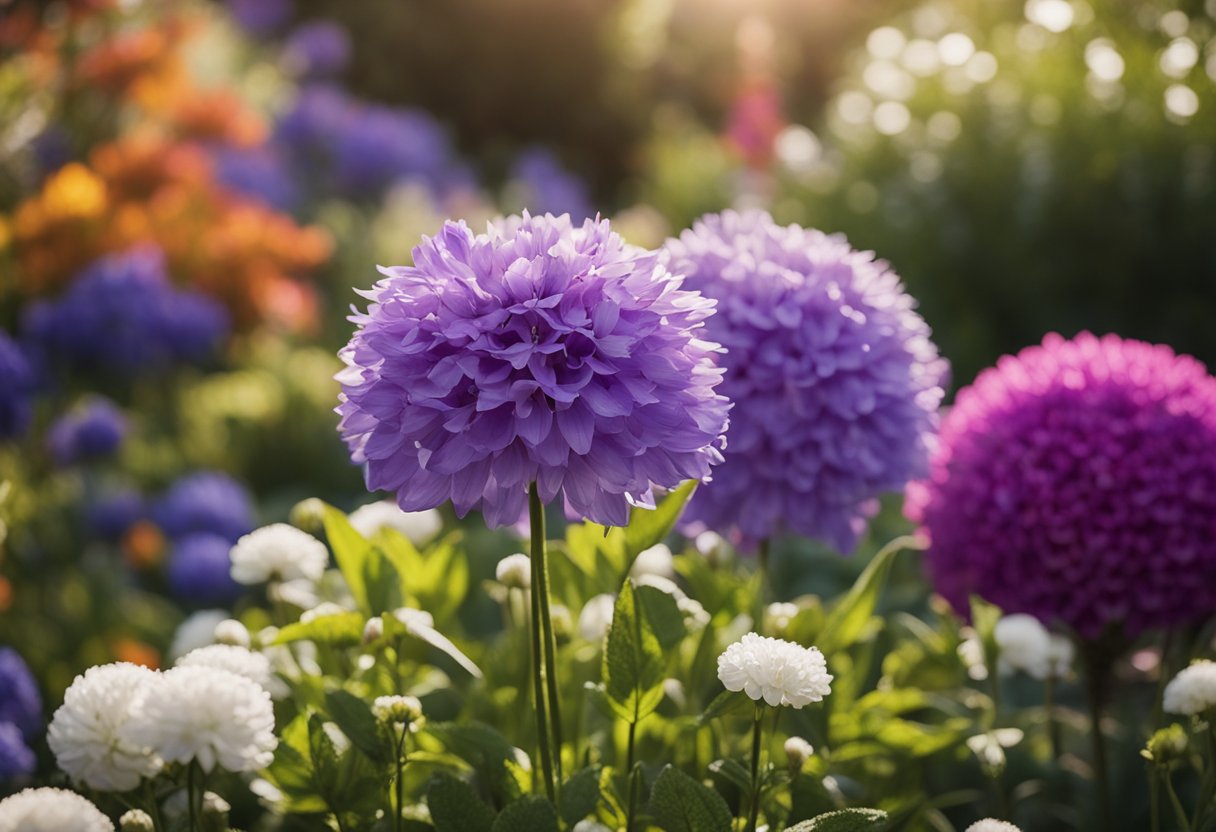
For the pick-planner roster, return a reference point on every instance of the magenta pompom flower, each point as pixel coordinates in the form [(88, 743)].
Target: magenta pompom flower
[(834, 380), (538, 351), (1076, 482)]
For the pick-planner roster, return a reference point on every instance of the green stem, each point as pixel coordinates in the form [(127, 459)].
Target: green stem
[(536, 628), (633, 780), (1154, 797), (1053, 725), (400, 783), (537, 510), (1208, 790), (754, 813), (1097, 672), (153, 806), (762, 568), (1179, 812), (191, 809)]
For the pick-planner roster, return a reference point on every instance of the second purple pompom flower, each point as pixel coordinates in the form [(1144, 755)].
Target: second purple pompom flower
[(538, 351)]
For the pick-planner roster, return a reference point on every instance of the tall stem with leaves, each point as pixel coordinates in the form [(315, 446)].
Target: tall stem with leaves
[(543, 689)]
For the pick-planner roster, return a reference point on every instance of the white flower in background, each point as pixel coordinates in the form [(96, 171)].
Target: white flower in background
[(563, 622), (299, 592), (94, 732), (1193, 690), (323, 610), (418, 526), (695, 616), (398, 710), (196, 631), (596, 617), (990, 747), (239, 660), (673, 689), (136, 820), (591, 825), (657, 560), (1060, 656), (971, 654), (1024, 645), (51, 810), (514, 571), (992, 825), (213, 716), (778, 672), (779, 615), (661, 584), (713, 547), (278, 552), (231, 631), (797, 751)]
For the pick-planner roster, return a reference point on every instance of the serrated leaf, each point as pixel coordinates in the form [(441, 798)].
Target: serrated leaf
[(633, 660), (528, 814), (681, 804), (647, 527), (663, 613), (354, 717), (455, 807), (847, 619), (726, 702), (579, 795), (340, 630), (844, 820)]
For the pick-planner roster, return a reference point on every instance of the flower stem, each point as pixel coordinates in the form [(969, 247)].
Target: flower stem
[(1053, 725), (762, 565), (633, 781), (153, 806), (1179, 812), (540, 610), (537, 509), (191, 809), (400, 785), (754, 813), (1098, 670)]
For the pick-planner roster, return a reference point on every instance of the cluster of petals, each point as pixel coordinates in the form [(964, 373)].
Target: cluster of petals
[(536, 352), (1026, 645), (834, 380), (51, 810), (278, 552), (776, 671), (1076, 482), (1192, 691)]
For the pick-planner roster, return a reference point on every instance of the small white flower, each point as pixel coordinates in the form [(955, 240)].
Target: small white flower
[(1193, 690), (662, 584), (990, 747), (136, 820), (797, 750), (695, 616), (971, 654), (514, 571), (779, 615), (397, 710), (278, 552), (779, 672), (1026, 645), (992, 825), (714, 548), (596, 617), (213, 716), (196, 631), (94, 732), (51, 810), (239, 660), (657, 560), (591, 825), (231, 631), (418, 526), (298, 592)]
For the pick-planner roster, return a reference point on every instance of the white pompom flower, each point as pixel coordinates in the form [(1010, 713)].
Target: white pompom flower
[(419, 526), (657, 560), (239, 660), (992, 825), (94, 733), (1193, 690), (212, 716), (51, 810), (278, 552), (775, 671), (514, 571)]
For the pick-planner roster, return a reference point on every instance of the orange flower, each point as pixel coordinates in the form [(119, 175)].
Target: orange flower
[(218, 115), (132, 650), (143, 546)]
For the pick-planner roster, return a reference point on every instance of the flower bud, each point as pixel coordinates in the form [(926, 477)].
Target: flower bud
[(777, 617), (308, 515), (514, 571), (398, 710), (373, 630), (231, 631), (215, 813), (563, 623), (797, 751), (136, 820), (1166, 747)]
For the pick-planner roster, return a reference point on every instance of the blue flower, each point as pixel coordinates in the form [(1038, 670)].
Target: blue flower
[(199, 570), (549, 187), (16, 758), (20, 702), (261, 17), (91, 432), (18, 383), (258, 172), (207, 501), (317, 49), (122, 314)]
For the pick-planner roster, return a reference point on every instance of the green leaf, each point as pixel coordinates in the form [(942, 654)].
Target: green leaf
[(340, 630), (528, 814), (661, 610), (633, 660), (681, 804), (726, 702), (354, 717), (844, 820), (646, 527), (579, 795), (847, 620), (437, 579), (732, 772), (808, 798), (352, 551), (455, 807)]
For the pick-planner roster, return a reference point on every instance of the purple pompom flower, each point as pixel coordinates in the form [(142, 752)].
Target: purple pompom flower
[(16, 757), (20, 702), (538, 351), (93, 431), (199, 570), (1076, 482), (207, 501), (835, 382)]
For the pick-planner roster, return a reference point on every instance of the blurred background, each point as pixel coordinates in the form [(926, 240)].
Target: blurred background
[(190, 190)]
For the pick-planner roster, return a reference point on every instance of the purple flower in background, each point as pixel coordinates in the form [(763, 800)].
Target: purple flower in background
[(18, 383), (550, 188), (16, 758), (835, 382), (1076, 482), (110, 515), (258, 172), (261, 17), (93, 431), (199, 570), (20, 702), (207, 501), (317, 49), (123, 314), (538, 352)]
